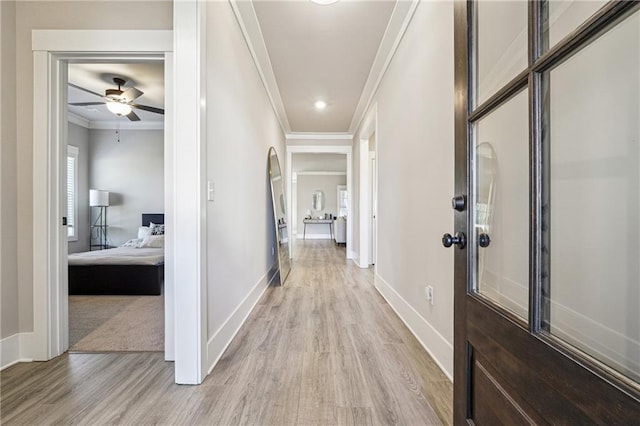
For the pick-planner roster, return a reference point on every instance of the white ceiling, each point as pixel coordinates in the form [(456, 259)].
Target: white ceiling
[(305, 52), (322, 53), (97, 77)]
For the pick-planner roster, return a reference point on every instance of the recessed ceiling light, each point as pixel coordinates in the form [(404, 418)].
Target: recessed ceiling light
[(320, 104), (324, 2)]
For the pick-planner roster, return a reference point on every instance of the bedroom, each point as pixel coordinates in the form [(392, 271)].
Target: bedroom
[(119, 160)]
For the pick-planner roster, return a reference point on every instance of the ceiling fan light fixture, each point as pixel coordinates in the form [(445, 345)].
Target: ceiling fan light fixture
[(320, 105), (119, 108)]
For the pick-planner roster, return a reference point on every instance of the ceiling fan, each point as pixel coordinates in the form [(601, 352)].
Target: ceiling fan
[(118, 101)]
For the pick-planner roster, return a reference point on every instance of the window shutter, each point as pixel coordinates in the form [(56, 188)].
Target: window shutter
[(72, 184)]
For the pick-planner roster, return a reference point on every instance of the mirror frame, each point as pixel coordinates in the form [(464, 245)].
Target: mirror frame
[(283, 249)]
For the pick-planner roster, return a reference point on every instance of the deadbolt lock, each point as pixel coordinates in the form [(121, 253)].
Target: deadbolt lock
[(459, 202)]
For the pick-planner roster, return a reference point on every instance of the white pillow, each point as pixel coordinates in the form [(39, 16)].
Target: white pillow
[(143, 232), (153, 241), (134, 242)]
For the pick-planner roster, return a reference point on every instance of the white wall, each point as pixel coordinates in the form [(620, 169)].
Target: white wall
[(57, 15), (241, 126), (319, 163), (132, 170), (415, 146), (78, 136), (8, 187)]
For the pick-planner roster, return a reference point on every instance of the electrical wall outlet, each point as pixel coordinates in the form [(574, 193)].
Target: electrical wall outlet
[(428, 293)]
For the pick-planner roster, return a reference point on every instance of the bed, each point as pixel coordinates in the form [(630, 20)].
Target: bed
[(119, 271)]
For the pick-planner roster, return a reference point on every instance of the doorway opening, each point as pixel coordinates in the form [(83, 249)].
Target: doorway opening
[(53, 51), (116, 267), (317, 176), (318, 211), (368, 161)]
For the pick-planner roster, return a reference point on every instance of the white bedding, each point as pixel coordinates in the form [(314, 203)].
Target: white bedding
[(119, 256)]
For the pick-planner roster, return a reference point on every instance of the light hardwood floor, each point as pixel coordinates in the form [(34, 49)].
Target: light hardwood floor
[(326, 349)]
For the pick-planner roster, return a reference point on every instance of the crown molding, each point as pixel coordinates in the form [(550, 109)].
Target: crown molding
[(126, 125), (77, 120), (252, 33), (114, 125), (319, 136), (400, 18)]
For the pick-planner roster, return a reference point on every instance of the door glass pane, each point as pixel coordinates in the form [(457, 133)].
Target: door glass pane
[(595, 199), (567, 15), (501, 200), (502, 45)]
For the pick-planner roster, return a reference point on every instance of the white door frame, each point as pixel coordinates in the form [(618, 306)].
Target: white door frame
[(324, 149), (51, 51), (369, 128)]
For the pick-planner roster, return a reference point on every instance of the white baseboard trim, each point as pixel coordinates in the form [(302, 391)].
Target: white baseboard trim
[(221, 339), (11, 350), (356, 260), (439, 348), (315, 237)]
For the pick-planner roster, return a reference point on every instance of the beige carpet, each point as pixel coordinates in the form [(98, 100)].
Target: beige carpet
[(116, 323)]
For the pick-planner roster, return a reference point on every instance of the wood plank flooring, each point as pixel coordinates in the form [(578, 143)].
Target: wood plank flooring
[(325, 349)]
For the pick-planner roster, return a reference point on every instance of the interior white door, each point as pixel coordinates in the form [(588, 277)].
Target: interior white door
[(373, 184)]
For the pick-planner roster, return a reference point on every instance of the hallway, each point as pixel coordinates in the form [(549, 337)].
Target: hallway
[(325, 349)]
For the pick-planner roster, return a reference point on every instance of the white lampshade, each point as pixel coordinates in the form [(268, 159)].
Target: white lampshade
[(98, 198), (119, 108)]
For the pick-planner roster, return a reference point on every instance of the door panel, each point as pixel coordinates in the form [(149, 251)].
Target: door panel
[(502, 206), (594, 134), (566, 15), (501, 32), (510, 366), (491, 403), (548, 384)]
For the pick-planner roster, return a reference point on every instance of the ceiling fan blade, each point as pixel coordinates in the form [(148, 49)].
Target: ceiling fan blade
[(86, 103), (133, 117), (148, 108), (130, 94), (84, 90)]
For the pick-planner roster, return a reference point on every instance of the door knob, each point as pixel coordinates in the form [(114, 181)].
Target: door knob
[(460, 240), (484, 240)]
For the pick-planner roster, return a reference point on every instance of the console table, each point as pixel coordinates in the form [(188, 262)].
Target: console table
[(315, 222)]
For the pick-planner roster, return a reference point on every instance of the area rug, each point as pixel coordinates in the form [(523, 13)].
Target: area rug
[(116, 323)]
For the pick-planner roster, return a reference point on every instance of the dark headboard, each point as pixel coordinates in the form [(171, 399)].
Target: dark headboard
[(147, 218)]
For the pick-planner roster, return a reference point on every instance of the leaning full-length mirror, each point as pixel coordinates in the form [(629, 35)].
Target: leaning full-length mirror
[(279, 214)]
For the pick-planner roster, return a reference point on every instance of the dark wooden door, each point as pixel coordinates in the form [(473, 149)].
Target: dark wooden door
[(547, 160)]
